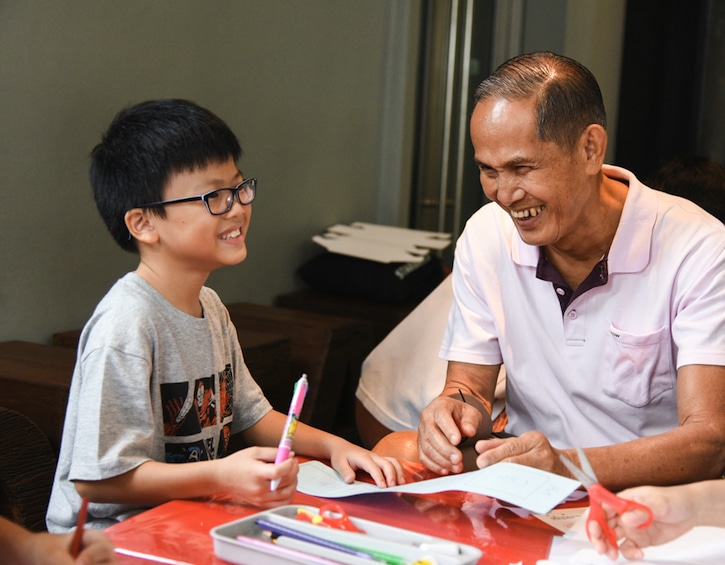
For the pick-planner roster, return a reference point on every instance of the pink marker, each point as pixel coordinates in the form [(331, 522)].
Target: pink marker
[(295, 408)]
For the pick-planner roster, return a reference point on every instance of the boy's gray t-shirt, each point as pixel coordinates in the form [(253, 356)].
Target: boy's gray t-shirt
[(150, 383)]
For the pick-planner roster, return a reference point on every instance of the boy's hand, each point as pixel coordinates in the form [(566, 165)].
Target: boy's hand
[(347, 458), (248, 474)]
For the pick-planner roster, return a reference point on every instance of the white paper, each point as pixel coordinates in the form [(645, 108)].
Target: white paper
[(392, 234), (384, 244), (699, 546), (527, 487), (370, 250)]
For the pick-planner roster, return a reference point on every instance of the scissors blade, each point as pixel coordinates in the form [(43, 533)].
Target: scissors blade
[(584, 478), (585, 465), (574, 470)]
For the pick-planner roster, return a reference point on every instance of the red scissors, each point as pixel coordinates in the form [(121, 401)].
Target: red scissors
[(598, 495), (329, 515)]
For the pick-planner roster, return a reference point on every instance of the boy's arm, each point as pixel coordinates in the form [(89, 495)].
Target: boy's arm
[(245, 475), (154, 482), (344, 456), (308, 441)]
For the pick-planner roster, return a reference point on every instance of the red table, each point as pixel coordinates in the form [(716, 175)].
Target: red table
[(178, 531)]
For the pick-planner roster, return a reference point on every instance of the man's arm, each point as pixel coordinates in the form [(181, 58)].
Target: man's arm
[(693, 451)]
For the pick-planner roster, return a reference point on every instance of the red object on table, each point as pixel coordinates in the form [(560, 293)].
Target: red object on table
[(178, 532)]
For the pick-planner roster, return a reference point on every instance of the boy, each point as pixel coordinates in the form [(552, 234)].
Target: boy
[(160, 377)]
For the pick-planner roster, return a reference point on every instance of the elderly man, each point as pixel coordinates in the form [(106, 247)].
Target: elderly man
[(604, 299)]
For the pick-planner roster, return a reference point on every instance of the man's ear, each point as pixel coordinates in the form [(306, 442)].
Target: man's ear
[(593, 144), (140, 225)]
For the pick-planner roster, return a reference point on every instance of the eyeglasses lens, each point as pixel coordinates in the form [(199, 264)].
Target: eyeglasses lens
[(247, 191), (221, 201)]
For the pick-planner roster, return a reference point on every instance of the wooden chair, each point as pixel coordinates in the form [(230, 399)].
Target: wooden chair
[(26, 471), (329, 349), (35, 381)]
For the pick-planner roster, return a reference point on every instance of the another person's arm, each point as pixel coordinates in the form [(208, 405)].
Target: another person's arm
[(676, 510), (370, 429), (448, 421), (21, 547), (693, 451)]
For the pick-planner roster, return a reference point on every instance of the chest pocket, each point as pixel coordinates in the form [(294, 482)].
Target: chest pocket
[(638, 366)]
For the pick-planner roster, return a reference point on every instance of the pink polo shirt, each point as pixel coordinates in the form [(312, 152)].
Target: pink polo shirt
[(605, 371)]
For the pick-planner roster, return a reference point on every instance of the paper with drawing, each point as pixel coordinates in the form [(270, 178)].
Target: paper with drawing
[(533, 489)]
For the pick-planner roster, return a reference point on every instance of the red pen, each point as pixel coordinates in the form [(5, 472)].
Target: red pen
[(78, 536)]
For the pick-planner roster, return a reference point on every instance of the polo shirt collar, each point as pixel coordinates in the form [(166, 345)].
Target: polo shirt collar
[(632, 244)]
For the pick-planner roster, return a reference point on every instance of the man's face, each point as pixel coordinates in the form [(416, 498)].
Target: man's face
[(543, 187)]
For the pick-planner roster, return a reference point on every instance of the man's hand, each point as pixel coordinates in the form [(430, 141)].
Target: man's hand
[(444, 424), (531, 448)]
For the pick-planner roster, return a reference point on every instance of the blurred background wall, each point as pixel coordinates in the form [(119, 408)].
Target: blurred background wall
[(325, 96)]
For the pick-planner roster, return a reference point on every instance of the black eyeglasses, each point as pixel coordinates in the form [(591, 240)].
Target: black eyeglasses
[(218, 201)]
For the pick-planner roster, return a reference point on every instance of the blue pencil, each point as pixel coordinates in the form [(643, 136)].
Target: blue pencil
[(281, 530)]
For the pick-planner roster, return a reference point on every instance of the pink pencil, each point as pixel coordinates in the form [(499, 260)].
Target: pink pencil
[(285, 443)]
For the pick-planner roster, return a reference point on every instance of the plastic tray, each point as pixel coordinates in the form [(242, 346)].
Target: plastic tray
[(256, 544)]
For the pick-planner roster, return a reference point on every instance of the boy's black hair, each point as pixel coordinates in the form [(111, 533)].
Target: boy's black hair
[(144, 147)]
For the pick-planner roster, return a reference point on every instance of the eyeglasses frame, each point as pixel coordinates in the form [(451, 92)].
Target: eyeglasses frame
[(205, 198)]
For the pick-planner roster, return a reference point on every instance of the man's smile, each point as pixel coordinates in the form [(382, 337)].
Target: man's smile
[(527, 213)]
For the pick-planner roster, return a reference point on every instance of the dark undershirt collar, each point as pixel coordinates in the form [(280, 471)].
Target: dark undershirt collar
[(547, 272)]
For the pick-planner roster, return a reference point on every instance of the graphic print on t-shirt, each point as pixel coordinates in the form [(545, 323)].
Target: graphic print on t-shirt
[(226, 392), (223, 442), (205, 403), (179, 418), (186, 411), (186, 452), (189, 411)]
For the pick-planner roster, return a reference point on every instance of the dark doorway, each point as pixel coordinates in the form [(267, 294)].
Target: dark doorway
[(670, 59)]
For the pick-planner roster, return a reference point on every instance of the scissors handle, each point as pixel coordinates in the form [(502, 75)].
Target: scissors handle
[(329, 515), (598, 495)]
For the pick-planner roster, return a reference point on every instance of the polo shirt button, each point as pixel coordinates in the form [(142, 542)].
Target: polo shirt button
[(560, 291), (572, 314)]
